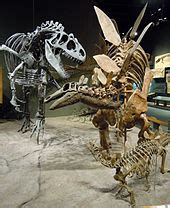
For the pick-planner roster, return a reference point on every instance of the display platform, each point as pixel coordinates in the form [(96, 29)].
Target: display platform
[(61, 172), (158, 100), (159, 116)]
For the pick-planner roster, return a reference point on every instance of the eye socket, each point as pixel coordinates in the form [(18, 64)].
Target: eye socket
[(82, 52), (71, 45), (63, 39)]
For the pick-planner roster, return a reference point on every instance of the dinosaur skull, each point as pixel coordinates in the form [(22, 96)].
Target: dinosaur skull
[(75, 92), (63, 44), (68, 94)]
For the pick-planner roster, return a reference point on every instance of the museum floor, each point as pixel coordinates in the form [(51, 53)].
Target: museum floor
[(61, 173)]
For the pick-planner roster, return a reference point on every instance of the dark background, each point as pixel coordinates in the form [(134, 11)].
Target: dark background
[(78, 17)]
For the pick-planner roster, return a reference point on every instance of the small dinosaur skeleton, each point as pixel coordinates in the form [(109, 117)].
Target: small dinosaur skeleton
[(136, 161), (32, 59)]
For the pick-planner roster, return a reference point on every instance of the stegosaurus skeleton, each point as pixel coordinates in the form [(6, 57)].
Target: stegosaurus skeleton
[(124, 64)]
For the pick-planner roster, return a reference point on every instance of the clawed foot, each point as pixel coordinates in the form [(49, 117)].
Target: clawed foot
[(121, 194), (26, 124), (38, 128), (118, 194), (165, 170)]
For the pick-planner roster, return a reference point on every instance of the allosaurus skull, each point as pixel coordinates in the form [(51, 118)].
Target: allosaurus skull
[(65, 44)]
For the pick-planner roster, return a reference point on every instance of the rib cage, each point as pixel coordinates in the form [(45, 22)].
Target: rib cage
[(138, 63), (21, 42), (17, 43), (136, 158)]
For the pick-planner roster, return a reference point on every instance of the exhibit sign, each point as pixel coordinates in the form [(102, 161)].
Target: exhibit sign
[(161, 62)]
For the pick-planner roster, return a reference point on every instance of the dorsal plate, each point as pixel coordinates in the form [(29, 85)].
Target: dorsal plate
[(107, 64), (100, 75), (108, 27)]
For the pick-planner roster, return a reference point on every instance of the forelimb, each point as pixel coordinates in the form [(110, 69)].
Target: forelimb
[(6, 48), (120, 176), (12, 85)]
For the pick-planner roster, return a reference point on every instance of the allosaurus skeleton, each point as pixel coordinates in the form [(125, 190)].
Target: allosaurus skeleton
[(31, 58)]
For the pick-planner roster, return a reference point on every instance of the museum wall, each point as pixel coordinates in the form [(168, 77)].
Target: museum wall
[(78, 17), (161, 43)]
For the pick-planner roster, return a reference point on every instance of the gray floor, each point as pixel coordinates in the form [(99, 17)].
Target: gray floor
[(61, 173)]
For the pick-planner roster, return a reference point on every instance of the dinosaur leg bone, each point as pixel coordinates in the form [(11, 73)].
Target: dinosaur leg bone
[(147, 172), (100, 122), (145, 126), (26, 125), (40, 115), (131, 195), (162, 168), (119, 176)]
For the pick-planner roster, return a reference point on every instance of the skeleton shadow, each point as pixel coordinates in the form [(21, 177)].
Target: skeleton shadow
[(105, 190)]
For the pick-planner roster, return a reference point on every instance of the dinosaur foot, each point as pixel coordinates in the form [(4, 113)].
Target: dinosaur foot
[(165, 170), (124, 192), (26, 124), (38, 129)]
